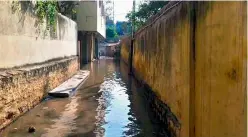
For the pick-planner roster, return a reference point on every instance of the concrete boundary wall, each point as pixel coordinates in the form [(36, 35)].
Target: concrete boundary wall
[(24, 41), (33, 60), (193, 57), (23, 88)]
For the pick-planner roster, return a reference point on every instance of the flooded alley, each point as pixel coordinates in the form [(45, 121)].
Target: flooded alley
[(109, 104)]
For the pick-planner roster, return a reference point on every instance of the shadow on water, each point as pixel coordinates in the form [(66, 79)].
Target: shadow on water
[(109, 104)]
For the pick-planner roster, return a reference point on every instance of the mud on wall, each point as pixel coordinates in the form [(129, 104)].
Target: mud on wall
[(221, 69), (195, 62), (161, 59), (24, 41), (125, 46)]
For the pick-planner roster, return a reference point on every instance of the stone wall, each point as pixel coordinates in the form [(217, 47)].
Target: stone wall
[(22, 88), (192, 55), (24, 40)]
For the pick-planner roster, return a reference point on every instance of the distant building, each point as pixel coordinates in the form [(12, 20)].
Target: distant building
[(91, 28), (102, 48), (108, 49)]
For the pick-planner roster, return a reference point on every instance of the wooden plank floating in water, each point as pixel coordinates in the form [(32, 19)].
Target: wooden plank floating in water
[(70, 85)]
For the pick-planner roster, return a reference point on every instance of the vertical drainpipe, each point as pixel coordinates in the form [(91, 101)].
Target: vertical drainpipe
[(132, 43)]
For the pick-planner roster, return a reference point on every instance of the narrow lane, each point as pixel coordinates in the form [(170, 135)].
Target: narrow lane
[(109, 104)]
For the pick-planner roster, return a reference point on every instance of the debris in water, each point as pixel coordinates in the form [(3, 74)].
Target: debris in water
[(45, 108), (31, 129)]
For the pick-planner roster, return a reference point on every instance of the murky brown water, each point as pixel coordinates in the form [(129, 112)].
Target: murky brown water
[(109, 104)]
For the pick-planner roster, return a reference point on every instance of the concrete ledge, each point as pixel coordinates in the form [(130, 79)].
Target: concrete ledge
[(22, 88)]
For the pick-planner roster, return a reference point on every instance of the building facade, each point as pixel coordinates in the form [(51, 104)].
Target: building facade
[(91, 28)]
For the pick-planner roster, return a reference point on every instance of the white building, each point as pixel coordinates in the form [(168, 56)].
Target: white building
[(91, 28)]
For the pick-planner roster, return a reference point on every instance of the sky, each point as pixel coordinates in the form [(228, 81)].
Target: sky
[(122, 7)]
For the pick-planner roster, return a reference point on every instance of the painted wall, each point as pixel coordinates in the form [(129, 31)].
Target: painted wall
[(125, 47), (101, 21), (87, 16), (90, 17), (221, 64), (161, 59), (23, 41), (90, 46), (197, 66)]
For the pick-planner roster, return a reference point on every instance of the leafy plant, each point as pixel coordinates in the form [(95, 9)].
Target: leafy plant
[(47, 10), (15, 6), (123, 28), (111, 32), (145, 11)]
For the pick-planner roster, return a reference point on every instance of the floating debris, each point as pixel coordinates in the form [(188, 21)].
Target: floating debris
[(31, 129)]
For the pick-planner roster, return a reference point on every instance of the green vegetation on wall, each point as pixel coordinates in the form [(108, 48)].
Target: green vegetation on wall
[(48, 10)]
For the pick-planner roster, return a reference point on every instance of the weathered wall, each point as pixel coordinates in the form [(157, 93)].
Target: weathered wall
[(23, 41), (197, 66), (22, 88), (87, 16), (125, 46), (101, 19), (88, 45), (50, 55), (220, 70), (90, 17), (161, 59)]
